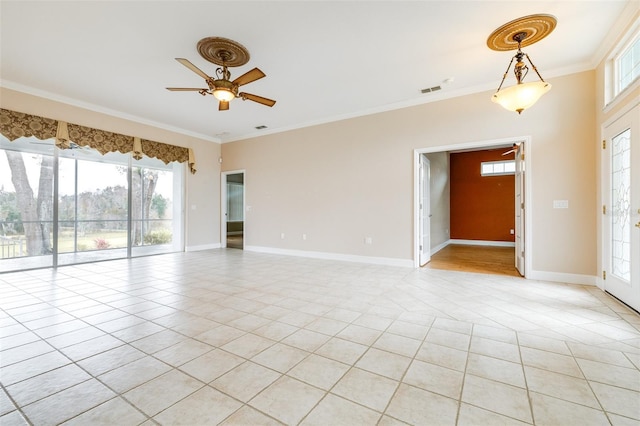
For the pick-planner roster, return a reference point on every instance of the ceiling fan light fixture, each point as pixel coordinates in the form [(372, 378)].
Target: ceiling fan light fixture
[(223, 94), (514, 35)]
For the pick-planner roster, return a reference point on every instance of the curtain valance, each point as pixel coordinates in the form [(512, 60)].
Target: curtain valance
[(14, 125)]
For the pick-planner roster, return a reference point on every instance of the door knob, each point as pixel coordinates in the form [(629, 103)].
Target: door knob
[(638, 225)]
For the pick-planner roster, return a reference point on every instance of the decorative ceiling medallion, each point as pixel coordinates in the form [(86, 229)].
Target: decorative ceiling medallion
[(528, 29), (222, 51)]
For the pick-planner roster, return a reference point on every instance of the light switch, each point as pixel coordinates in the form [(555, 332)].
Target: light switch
[(560, 204)]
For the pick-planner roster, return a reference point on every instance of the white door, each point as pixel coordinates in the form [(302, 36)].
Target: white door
[(621, 209), (425, 210), (520, 207)]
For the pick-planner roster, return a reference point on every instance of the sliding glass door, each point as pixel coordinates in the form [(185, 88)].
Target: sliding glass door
[(61, 207)]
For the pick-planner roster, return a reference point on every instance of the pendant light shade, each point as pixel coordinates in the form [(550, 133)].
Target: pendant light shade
[(521, 96), (514, 35)]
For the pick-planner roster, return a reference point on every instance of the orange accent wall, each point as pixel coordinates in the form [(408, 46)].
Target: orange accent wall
[(482, 207)]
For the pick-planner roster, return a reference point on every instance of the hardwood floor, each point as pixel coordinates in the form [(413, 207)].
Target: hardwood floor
[(480, 259), (235, 241)]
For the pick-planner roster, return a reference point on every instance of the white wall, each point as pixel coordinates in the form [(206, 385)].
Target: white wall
[(354, 178)]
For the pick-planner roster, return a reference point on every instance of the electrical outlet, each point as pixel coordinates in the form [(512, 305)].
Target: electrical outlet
[(368, 240), (282, 236), (304, 237), (511, 231)]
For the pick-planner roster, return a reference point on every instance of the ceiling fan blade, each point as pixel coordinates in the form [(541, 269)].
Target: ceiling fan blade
[(258, 99), (193, 68), (249, 76), (184, 89), (223, 106)]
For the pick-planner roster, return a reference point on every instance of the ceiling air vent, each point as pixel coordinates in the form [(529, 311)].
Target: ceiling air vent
[(431, 89)]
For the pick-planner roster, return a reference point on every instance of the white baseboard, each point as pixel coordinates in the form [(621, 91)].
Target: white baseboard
[(482, 243), (562, 277), (203, 247), (386, 261), (439, 247)]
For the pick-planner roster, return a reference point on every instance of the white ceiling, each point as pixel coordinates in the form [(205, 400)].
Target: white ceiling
[(324, 60)]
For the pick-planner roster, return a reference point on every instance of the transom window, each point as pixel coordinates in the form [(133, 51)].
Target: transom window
[(627, 64), (497, 168)]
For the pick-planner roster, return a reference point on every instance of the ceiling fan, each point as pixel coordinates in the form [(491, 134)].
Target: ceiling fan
[(226, 53)]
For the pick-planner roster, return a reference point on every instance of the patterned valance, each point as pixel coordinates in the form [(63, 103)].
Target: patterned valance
[(14, 125)]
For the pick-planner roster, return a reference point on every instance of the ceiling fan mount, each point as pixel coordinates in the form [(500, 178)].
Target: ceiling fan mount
[(226, 53), (222, 51)]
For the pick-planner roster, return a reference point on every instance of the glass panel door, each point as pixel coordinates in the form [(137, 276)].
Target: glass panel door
[(26, 204)]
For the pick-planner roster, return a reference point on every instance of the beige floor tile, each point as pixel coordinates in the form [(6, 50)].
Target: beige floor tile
[(342, 350), (618, 400), (115, 411), (617, 420), (384, 363), (344, 315), (560, 386), (275, 330), (159, 341), (248, 345), (498, 397), (496, 369), (368, 389), (453, 325), (14, 418), (249, 322), (333, 410), (43, 385), (211, 365), (183, 352), (543, 343), (134, 374), (111, 359), (6, 405), (326, 326), (407, 329), (448, 338), (359, 334), (592, 353), (552, 411), (280, 357), (434, 378), (306, 340), (550, 361), (474, 416), (32, 367), (219, 336), (153, 396), (138, 331), (91, 347), (245, 381), (319, 371), (374, 322), (443, 356), (287, 399), (419, 407), (246, 416), (628, 378), (24, 352), (494, 348), (206, 406), (398, 344), (68, 403)]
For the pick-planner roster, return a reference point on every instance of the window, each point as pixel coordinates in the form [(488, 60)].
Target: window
[(108, 206), (622, 66), (497, 168), (627, 64)]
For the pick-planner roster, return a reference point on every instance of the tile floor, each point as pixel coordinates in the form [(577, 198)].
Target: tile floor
[(239, 338)]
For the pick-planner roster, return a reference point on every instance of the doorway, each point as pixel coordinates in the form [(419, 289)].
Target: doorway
[(621, 208), (233, 196), (521, 146)]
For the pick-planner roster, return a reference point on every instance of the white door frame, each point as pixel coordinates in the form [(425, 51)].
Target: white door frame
[(424, 209), (223, 203), (528, 185)]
